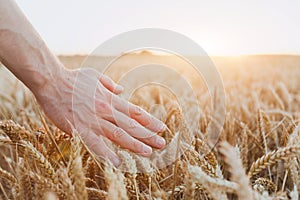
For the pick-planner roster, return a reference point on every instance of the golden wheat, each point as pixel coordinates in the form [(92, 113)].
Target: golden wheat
[(271, 158), (256, 156)]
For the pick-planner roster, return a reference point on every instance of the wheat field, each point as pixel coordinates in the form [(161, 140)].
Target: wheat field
[(257, 155)]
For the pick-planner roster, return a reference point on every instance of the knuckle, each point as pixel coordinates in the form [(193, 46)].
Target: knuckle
[(149, 135), (117, 132), (144, 134), (133, 124), (104, 107)]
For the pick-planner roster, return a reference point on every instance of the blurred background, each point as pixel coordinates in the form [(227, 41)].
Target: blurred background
[(222, 28)]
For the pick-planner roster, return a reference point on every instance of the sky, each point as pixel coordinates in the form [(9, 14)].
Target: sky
[(219, 27)]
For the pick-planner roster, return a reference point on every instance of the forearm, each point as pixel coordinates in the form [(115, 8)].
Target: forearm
[(22, 50)]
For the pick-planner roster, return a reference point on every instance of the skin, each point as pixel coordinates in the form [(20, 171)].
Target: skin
[(83, 99)]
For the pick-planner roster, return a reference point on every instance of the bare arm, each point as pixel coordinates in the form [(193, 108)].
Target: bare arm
[(22, 50), (26, 55)]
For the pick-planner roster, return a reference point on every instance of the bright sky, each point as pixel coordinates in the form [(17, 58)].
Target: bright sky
[(220, 27)]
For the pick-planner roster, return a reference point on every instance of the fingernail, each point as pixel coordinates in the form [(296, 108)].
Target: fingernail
[(147, 149), (160, 141), (116, 162), (119, 88)]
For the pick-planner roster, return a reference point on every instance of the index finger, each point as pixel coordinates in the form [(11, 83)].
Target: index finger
[(138, 114)]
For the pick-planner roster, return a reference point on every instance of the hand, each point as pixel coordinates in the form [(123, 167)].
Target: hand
[(88, 100)]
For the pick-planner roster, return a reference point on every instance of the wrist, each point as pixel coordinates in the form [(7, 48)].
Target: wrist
[(51, 83)]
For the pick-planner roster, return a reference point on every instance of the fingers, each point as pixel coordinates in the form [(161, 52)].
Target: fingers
[(135, 112), (138, 131), (122, 138), (127, 125), (138, 114), (110, 84), (98, 146)]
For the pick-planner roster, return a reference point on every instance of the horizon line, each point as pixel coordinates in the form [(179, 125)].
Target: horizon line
[(154, 54)]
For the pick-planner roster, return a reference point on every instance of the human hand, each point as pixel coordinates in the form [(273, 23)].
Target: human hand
[(88, 101)]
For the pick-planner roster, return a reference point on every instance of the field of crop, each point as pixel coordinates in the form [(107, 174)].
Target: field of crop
[(257, 156)]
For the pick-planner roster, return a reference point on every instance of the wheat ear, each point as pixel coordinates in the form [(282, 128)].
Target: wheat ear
[(235, 167), (42, 161), (44, 185), (115, 180), (15, 132), (66, 184), (271, 158), (215, 186), (76, 171), (130, 170), (8, 176), (96, 194)]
